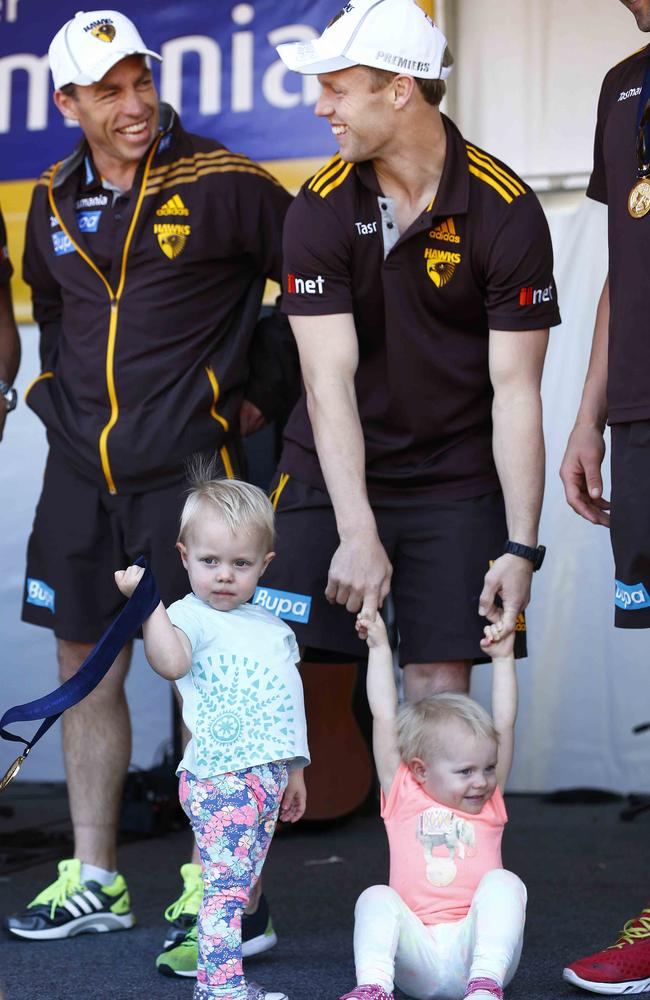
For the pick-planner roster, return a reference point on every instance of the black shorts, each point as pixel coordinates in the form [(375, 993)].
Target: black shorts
[(81, 535), (630, 523), (440, 551)]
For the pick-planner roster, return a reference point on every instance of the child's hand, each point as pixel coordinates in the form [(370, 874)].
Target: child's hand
[(294, 799), (493, 644), (128, 579), (374, 632)]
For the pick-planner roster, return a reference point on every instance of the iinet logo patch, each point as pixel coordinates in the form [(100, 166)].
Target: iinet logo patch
[(533, 296), (305, 286)]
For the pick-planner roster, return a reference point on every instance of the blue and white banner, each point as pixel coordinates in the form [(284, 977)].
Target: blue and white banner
[(220, 71)]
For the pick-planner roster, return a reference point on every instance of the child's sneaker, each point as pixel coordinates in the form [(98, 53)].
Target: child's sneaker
[(181, 914), (69, 906), (182, 958), (257, 992), (368, 991), (624, 967), (257, 934), (483, 988)]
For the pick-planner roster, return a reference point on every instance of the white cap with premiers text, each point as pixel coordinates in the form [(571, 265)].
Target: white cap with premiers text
[(89, 45), (395, 35)]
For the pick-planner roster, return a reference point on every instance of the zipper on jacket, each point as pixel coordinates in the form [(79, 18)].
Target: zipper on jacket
[(114, 297)]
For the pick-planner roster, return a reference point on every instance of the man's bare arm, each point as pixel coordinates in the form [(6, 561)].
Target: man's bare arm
[(516, 364), (360, 570), (9, 347), (580, 469)]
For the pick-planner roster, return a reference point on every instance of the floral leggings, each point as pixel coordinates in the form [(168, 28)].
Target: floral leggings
[(233, 817)]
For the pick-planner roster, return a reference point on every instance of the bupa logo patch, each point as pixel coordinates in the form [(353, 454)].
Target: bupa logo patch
[(289, 607), (631, 597), (88, 221), (62, 244), (40, 594)]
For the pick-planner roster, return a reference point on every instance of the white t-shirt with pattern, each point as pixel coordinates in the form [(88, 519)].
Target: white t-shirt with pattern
[(243, 701)]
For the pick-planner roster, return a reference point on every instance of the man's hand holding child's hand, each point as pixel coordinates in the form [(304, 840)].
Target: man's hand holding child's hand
[(493, 643), (372, 630), (128, 579), (294, 799)]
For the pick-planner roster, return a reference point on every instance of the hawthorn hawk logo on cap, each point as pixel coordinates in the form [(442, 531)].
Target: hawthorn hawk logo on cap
[(104, 31), (344, 10)]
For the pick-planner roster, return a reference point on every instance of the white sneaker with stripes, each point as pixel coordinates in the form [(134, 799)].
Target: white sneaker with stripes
[(69, 906)]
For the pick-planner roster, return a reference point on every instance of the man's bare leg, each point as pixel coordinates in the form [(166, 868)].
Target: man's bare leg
[(97, 752), (421, 680)]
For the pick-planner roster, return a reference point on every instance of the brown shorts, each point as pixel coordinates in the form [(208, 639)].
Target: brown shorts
[(630, 523), (440, 551), (81, 535)]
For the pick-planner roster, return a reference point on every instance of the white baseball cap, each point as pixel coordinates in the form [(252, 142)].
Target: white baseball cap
[(90, 44), (395, 35)]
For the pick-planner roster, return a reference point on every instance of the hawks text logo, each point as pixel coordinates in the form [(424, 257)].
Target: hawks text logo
[(104, 31), (441, 265), (171, 238)]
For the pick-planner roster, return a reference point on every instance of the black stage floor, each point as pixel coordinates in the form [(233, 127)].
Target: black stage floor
[(586, 872)]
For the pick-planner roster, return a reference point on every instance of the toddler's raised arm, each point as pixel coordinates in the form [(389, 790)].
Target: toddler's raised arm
[(167, 649), (504, 695), (382, 698)]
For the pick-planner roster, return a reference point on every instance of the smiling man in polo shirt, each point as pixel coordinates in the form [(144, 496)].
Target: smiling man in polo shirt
[(418, 281)]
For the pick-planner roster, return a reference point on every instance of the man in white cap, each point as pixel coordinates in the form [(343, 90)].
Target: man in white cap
[(147, 250), (418, 282)]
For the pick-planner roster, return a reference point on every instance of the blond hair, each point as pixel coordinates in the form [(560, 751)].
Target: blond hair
[(420, 723), (241, 506)]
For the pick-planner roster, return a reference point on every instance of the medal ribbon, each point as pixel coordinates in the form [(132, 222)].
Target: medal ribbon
[(50, 707), (641, 107)]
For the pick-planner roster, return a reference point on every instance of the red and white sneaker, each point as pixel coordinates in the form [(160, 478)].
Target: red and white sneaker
[(368, 991), (624, 967)]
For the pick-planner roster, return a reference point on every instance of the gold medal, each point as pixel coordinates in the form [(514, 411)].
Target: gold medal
[(13, 770), (638, 202)]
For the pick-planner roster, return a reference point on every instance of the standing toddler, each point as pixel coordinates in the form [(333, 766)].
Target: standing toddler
[(234, 664)]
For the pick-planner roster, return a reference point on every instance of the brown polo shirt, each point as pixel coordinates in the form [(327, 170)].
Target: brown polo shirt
[(6, 270), (478, 258), (615, 171)]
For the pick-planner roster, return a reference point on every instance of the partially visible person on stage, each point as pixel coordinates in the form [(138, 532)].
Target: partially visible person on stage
[(418, 281), (147, 250), (451, 922), (9, 339), (235, 667), (617, 391)]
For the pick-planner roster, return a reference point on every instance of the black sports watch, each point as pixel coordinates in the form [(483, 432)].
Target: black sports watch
[(10, 395), (536, 556)]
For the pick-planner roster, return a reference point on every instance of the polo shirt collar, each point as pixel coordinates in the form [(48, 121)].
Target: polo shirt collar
[(453, 191)]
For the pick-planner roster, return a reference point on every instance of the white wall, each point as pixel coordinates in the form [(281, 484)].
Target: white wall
[(527, 76)]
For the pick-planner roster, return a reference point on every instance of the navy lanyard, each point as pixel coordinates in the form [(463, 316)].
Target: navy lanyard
[(640, 111), (50, 707)]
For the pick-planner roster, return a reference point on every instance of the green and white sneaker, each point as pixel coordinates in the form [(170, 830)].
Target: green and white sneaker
[(69, 907), (182, 913), (258, 936), (181, 959)]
